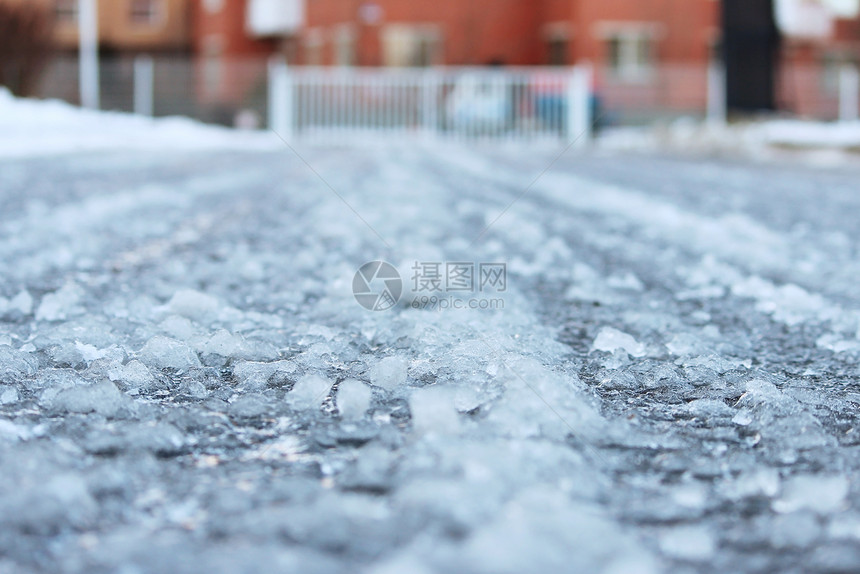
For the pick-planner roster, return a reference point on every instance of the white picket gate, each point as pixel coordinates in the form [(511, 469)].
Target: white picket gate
[(338, 104)]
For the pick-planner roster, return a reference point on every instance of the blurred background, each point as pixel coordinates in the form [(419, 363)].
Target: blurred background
[(508, 68)]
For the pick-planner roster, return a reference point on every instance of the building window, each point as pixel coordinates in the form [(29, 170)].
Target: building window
[(831, 70), (415, 46), (66, 11), (144, 11), (630, 54), (314, 43), (213, 6), (556, 36), (557, 52), (213, 72), (630, 48), (344, 45)]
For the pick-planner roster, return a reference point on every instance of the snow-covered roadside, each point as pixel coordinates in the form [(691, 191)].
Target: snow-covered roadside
[(814, 142), (38, 128)]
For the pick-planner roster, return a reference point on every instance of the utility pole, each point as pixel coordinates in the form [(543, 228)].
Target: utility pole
[(88, 42)]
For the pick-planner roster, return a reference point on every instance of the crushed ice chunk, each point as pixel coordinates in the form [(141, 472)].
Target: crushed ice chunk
[(193, 304), (401, 563), (389, 373), (61, 304), (101, 398), (9, 396), (845, 526), (132, 375), (701, 293), (763, 393), (522, 409), (16, 363), (11, 432), (685, 344), (838, 344), (317, 330), (694, 543), (162, 352), (753, 287), (779, 417), (373, 471), (434, 410), (47, 505), (716, 363), (255, 376), (789, 304), (743, 418), (89, 353), (178, 327), (752, 483), (535, 532), (690, 495), (610, 340), (792, 305), (308, 392), (249, 406), (709, 408), (160, 438), (353, 399), (795, 530), (225, 344), (202, 307), (820, 494), (628, 281), (21, 303)]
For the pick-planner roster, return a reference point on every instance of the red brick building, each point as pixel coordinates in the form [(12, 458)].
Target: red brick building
[(653, 49), (471, 32)]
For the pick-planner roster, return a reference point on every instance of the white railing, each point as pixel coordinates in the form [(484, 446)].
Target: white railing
[(335, 104), (521, 104)]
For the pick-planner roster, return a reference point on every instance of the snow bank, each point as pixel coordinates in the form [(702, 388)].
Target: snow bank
[(819, 141), (31, 128), (798, 133)]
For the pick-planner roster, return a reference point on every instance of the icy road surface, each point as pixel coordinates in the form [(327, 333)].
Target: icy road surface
[(187, 383)]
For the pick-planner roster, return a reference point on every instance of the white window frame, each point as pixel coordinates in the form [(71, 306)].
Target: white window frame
[(314, 46), (156, 17), (67, 11), (213, 6), (213, 65), (343, 41), (630, 36), (402, 43)]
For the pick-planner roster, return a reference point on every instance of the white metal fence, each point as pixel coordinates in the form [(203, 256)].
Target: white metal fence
[(462, 103), (336, 104)]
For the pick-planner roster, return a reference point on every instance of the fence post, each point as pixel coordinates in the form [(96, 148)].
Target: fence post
[(579, 128), (280, 98), (430, 102), (88, 53), (144, 85), (716, 94), (849, 93)]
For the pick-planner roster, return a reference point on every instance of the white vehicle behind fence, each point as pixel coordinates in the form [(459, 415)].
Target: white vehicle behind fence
[(479, 104)]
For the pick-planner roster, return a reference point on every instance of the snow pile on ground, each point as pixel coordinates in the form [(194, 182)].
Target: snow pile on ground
[(31, 128), (806, 134), (834, 142)]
